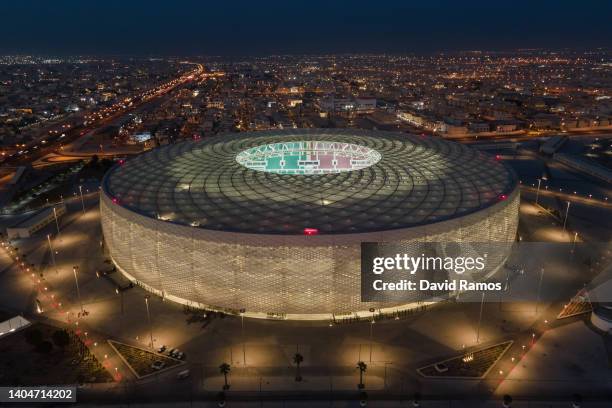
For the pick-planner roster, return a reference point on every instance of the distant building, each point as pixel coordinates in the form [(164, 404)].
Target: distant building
[(336, 104), (140, 137), (290, 90), (215, 105), (292, 103), (545, 121), (421, 119), (455, 130), (505, 126), (479, 127), (365, 103)]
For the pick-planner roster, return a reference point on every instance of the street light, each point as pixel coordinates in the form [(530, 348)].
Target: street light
[(149, 318), (539, 289), (566, 213), (371, 331), (574, 243), (56, 222), (82, 202), (480, 318), (242, 311), (120, 293), (76, 281), (52, 252)]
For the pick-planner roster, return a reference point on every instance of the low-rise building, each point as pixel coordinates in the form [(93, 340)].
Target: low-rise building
[(35, 221)]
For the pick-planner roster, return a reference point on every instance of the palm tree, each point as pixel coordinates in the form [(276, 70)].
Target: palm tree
[(225, 369), (362, 369), (297, 360)]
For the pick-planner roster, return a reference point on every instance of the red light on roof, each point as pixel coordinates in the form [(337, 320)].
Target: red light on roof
[(311, 231)]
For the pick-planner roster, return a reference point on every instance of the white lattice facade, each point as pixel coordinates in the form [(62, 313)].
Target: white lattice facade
[(296, 276)]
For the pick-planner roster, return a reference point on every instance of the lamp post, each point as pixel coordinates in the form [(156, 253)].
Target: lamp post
[(120, 293), (566, 213), (480, 318), (52, 252), (76, 281), (538, 191), (242, 311), (149, 319), (82, 202), (371, 331), (539, 289), (56, 222)]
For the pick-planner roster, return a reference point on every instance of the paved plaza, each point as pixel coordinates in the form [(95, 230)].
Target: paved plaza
[(549, 359)]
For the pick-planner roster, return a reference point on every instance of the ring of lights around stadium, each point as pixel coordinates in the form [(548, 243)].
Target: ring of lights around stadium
[(195, 223)]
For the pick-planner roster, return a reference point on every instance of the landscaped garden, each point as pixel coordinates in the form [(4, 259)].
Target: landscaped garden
[(472, 364), (143, 362), (43, 354)]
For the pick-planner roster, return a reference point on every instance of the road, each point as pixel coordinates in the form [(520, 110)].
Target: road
[(528, 137), (569, 197), (53, 141)]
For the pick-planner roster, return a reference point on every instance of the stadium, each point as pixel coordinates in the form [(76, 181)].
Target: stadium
[(270, 224)]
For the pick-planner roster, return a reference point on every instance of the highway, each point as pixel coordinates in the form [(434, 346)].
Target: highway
[(54, 139), (528, 137), (603, 203)]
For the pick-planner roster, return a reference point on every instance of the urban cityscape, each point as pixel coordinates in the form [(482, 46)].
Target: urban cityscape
[(193, 228)]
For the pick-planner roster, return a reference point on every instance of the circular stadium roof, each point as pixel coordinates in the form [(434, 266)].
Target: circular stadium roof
[(334, 181)]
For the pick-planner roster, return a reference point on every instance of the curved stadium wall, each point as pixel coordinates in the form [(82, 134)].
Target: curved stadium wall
[(287, 276)]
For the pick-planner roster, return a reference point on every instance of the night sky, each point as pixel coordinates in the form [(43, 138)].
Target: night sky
[(259, 27)]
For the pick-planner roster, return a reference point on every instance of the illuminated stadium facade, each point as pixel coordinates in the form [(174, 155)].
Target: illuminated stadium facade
[(272, 222)]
